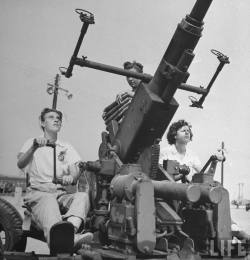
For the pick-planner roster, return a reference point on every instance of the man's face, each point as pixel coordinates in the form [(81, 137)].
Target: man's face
[(183, 135), (52, 122), (134, 83)]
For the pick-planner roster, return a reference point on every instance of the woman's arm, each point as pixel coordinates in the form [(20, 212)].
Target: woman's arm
[(212, 167)]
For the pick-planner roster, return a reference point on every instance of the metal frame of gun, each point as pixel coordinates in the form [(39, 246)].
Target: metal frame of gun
[(127, 196), (88, 18), (223, 59)]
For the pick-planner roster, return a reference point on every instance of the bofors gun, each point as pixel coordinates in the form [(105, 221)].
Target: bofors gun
[(137, 205)]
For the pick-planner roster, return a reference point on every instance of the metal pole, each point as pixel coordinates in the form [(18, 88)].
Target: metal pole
[(242, 191), (219, 68), (56, 85), (87, 18), (142, 76), (222, 164), (54, 105), (54, 158)]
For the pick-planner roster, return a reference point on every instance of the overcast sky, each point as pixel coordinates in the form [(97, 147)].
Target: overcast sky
[(39, 36)]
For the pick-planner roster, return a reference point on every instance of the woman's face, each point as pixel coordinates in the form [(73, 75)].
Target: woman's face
[(183, 135), (134, 83)]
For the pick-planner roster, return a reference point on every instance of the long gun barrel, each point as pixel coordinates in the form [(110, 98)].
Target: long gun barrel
[(179, 52), (153, 105)]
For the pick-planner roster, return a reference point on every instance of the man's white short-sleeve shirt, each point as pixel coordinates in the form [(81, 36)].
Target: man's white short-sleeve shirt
[(41, 167)]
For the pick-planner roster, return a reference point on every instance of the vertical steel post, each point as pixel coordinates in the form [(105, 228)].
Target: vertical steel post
[(222, 164)]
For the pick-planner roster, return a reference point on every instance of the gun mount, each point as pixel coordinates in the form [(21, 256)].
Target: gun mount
[(139, 210), (153, 105)]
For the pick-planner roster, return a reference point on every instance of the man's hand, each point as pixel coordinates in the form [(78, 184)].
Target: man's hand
[(39, 142), (67, 179)]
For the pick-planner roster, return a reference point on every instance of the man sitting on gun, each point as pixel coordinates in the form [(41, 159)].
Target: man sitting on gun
[(45, 198), (178, 136), (117, 109)]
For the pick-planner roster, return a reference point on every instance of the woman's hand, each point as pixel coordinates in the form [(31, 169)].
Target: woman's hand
[(219, 156)]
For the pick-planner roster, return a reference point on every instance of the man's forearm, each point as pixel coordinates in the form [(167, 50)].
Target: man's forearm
[(25, 158)]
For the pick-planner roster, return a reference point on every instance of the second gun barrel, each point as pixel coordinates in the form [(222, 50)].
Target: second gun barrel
[(177, 191)]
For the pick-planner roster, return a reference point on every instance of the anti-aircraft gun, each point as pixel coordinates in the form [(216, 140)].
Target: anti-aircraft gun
[(139, 210)]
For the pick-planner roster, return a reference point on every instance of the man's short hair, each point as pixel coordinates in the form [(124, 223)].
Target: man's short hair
[(46, 111), (129, 65), (172, 132)]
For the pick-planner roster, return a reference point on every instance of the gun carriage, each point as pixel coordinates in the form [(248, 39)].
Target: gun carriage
[(138, 209)]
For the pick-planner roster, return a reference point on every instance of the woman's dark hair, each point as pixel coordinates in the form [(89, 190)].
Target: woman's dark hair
[(129, 65), (172, 132), (47, 110)]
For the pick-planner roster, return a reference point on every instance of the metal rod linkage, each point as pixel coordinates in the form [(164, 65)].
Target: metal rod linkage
[(142, 76)]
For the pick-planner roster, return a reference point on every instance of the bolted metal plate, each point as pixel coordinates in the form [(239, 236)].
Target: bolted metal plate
[(145, 209)]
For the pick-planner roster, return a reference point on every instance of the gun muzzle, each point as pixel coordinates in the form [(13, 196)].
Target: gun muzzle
[(177, 191), (199, 10), (211, 194)]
